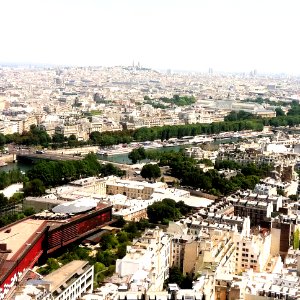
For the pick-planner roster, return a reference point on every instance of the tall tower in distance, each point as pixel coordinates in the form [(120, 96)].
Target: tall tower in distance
[(210, 71)]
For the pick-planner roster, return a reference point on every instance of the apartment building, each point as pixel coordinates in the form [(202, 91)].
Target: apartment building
[(145, 266), (287, 188), (258, 211), (252, 250), (71, 280), (282, 229)]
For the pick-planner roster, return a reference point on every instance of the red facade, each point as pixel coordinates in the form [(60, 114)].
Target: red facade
[(76, 229), (24, 261), (50, 239)]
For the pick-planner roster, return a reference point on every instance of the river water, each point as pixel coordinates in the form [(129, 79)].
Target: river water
[(123, 158), (17, 165)]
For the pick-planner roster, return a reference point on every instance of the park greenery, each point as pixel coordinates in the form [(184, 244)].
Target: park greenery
[(162, 212), (8, 213), (189, 173), (163, 102), (112, 246), (47, 174)]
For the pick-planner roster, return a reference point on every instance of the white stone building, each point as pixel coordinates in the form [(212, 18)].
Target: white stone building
[(146, 265)]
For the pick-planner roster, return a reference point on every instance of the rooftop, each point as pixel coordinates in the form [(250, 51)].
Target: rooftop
[(19, 235), (60, 276)]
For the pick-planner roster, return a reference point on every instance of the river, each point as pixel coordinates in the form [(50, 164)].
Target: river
[(118, 158), (123, 158), (18, 165)]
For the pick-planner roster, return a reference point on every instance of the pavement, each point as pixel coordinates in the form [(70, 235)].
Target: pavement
[(10, 190)]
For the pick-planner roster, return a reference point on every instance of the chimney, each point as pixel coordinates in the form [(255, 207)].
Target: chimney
[(3, 247)]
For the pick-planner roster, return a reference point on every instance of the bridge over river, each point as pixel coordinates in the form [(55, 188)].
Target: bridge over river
[(27, 156)]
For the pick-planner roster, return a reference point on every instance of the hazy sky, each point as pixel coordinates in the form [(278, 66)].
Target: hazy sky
[(227, 35)]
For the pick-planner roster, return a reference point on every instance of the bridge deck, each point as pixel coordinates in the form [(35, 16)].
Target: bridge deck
[(48, 156)]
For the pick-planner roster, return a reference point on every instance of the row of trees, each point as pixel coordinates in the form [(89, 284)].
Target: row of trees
[(261, 100), (235, 121), (179, 100), (54, 173)]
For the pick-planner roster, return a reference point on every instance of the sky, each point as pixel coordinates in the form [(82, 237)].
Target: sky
[(191, 35)]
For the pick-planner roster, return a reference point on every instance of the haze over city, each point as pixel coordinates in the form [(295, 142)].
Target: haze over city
[(149, 150), (228, 36)]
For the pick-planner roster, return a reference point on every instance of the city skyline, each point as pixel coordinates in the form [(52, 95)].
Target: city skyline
[(227, 36)]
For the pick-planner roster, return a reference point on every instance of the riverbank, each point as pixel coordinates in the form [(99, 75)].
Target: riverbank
[(7, 158)]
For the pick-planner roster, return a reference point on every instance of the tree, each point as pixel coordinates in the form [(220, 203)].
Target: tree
[(136, 155), (296, 239), (108, 241), (2, 140), (72, 141), (279, 112), (175, 276), (52, 265), (58, 138), (163, 211), (131, 228), (280, 192), (151, 171), (122, 237), (293, 197), (3, 200), (29, 211), (121, 251), (120, 222), (106, 257), (34, 188)]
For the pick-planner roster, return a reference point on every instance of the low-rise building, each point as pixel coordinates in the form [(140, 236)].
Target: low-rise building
[(132, 189)]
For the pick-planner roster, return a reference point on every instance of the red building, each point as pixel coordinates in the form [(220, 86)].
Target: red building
[(80, 226), (22, 243)]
